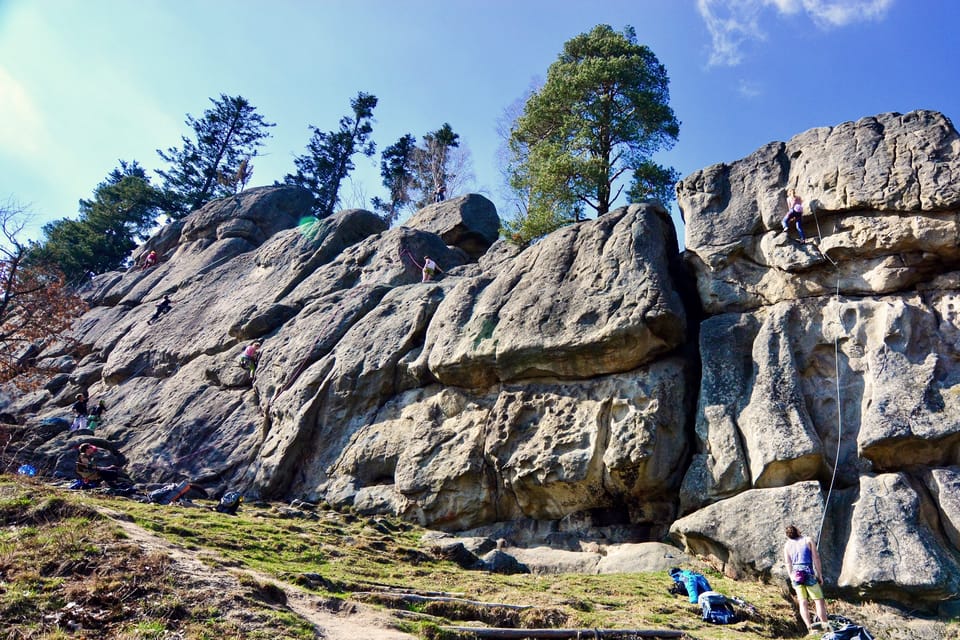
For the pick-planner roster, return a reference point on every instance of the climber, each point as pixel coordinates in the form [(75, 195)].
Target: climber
[(430, 269), (794, 214), (250, 358), (162, 307), (806, 574), (150, 260), (440, 193), (80, 408)]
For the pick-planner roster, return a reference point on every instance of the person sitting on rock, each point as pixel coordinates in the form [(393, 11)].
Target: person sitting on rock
[(93, 418), (150, 260), (250, 358), (430, 269), (794, 214), (89, 472), (80, 409), (162, 307)]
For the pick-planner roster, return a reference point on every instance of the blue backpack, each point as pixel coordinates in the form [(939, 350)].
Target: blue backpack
[(716, 609)]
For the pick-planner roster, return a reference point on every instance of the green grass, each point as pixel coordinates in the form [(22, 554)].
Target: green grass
[(57, 548)]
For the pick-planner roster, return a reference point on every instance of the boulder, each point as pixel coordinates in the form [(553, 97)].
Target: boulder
[(894, 547), (591, 299), (468, 222), (641, 557), (743, 535)]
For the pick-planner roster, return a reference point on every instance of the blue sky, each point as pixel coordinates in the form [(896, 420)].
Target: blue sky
[(84, 83)]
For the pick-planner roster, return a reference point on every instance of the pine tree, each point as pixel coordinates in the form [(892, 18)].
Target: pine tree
[(124, 208), (396, 168), (603, 110), (330, 155), (228, 134)]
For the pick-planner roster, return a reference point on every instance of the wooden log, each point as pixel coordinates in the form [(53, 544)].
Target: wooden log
[(390, 588), (415, 598), (582, 634)]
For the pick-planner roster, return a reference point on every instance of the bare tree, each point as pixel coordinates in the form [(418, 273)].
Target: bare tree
[(460, 176), (356, 195), (36, 306)]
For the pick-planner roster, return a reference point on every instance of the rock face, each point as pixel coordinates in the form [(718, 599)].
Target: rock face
[(881, 198), (569, 394), (833, 360), (469, 222)]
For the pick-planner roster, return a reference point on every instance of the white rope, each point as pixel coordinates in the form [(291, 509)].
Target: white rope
[(836, 374)]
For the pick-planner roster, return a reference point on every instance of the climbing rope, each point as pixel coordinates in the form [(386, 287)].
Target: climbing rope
[(836, 375), (405, 252)]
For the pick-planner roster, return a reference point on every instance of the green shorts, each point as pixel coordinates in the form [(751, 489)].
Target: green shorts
[(812, 592)]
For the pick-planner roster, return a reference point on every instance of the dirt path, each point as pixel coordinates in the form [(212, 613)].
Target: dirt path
[(331, 618)]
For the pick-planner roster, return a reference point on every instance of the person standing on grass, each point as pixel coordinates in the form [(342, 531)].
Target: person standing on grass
[(806, 574)]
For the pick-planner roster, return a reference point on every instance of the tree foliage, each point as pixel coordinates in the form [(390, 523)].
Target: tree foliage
[(431, 164), (599, 116), (209, 166), (120, 215), (396, 169), (329, 157), (652, 181), (413, 173), (36, 305)]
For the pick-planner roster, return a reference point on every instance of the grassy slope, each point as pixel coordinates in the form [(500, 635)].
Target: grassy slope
[(65, 565)]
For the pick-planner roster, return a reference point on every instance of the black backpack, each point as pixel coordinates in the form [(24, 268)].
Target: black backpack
[(229, 503), (849, 632)]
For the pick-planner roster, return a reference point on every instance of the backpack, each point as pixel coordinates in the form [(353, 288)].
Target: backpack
[(169, 493), (715, 608), (229, 503), (849, 632)]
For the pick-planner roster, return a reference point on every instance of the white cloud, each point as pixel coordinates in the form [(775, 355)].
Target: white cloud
[(732, 23), (840, 14), (749, 89), (24, 133)]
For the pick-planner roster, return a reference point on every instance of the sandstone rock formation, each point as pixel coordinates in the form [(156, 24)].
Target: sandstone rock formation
[(526, 385), (571, 395), (836, 360)]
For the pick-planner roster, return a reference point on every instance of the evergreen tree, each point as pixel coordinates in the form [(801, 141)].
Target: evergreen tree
[(396, 168), (431, 163), (601, 113), (226, 136), (124, 208), (330, 155), (652, 181)]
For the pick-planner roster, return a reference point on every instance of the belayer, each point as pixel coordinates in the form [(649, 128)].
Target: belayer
[(806, 573)]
